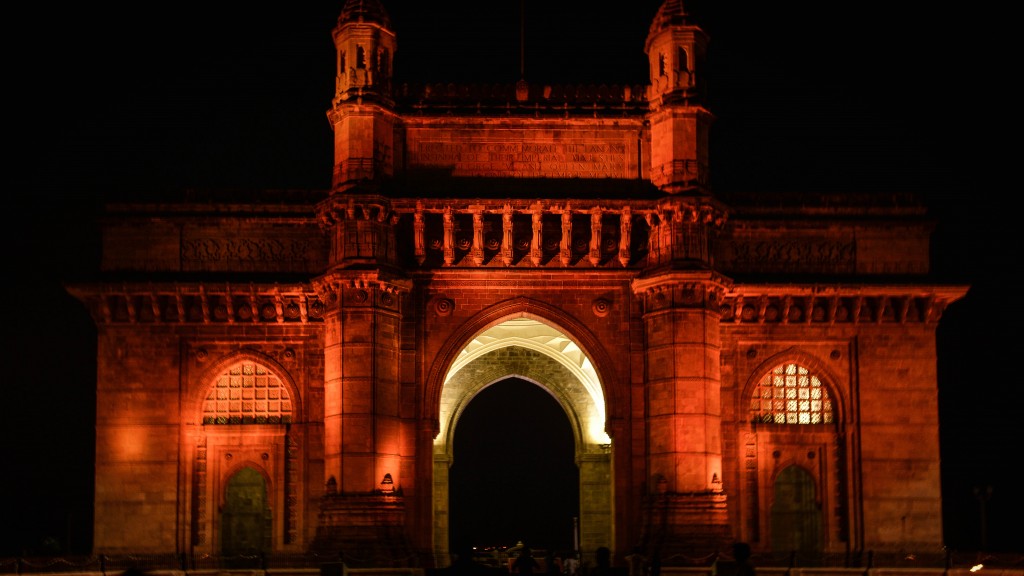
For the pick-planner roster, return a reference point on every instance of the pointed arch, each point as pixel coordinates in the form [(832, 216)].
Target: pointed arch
[(206, 384), (246, 510), (521, 307), (796, 523), (547, 347), (813, 365)]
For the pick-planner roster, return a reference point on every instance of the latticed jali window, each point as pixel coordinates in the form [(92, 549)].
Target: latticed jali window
[(789, 394), (247, 393)]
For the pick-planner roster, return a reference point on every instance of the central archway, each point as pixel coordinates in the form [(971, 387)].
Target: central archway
[(539, 353), (514, 476)]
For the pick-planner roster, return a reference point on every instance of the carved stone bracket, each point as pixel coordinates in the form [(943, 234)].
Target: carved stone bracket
[(360, 289), (700, 289)]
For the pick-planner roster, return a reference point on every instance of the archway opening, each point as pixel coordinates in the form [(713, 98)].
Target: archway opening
[(513, 476), (246, 517), (796, 519)]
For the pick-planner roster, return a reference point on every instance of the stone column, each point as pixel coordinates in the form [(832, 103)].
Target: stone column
[(625, 231), (418, 232), (595, 519), (449, 237), (566, 253), (506, 235), (363, 424), (595, 236), (537, 240), (686, 506), (476, 251)]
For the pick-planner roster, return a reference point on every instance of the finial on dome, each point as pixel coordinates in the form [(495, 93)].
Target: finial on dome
[(671, 13), (367, 11)]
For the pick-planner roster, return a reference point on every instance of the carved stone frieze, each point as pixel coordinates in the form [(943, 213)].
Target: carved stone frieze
[(204, 304), (211, 249), (808, 306)]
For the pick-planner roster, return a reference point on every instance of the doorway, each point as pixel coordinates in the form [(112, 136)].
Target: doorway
[(246, 519), (796, 517), (513, 476)]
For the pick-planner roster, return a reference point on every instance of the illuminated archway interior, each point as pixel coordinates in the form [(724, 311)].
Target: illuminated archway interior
[(578, 383), (540, 353)]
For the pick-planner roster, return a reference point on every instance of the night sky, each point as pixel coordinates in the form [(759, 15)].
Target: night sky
[(808, 96)]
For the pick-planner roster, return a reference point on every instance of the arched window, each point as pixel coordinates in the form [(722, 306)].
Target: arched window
[(790, 394), (684, 65), (247, 393)]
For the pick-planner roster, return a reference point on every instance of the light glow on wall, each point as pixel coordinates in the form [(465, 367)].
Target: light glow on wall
[(130, 442)]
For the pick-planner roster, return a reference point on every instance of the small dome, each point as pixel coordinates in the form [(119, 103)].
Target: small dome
[(671, 13), (368, 11)]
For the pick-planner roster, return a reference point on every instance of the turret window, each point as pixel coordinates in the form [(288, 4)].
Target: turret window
[(791, 394), (683, 60), (661, 65), (360, 57)]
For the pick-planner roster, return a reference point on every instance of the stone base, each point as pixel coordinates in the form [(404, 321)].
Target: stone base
[(686, 529), (365, 531)]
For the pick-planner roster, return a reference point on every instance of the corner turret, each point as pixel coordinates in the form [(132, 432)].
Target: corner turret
[(677, 53), (364, 45), (362, 111), (676, 50)]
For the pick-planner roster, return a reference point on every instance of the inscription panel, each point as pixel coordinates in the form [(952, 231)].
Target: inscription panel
[(792, 255), (205, 249), (525, 154)]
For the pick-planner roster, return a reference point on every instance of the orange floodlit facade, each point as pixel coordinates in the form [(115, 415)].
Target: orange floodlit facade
[(284, 372)]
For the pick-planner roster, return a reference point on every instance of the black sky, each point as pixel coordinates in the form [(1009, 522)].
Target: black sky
[(807, 95)]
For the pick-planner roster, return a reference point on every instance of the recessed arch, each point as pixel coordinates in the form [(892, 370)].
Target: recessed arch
[(521, 307), (802, 358), (513, 362), (246, 518), (796, 521), (224, 449), (533, 350), (208, 378), (542, 345), (514, 457)]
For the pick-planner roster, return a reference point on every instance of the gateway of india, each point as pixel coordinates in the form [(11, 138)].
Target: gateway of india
[(285, 372)]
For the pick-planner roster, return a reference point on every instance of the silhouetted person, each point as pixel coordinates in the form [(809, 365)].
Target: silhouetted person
[(741, 552), (602, 562), (553, 564), (525, 563)]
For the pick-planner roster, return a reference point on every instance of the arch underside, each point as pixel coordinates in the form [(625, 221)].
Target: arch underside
[(543, 355)]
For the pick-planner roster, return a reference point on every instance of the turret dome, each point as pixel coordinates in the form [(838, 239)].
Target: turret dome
[(671, 13), (367, 11)]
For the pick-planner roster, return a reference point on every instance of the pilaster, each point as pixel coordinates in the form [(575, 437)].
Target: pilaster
[(363, 508), (686, 505)]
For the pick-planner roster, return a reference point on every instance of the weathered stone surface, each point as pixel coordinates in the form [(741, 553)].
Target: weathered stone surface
[(466, 240)]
